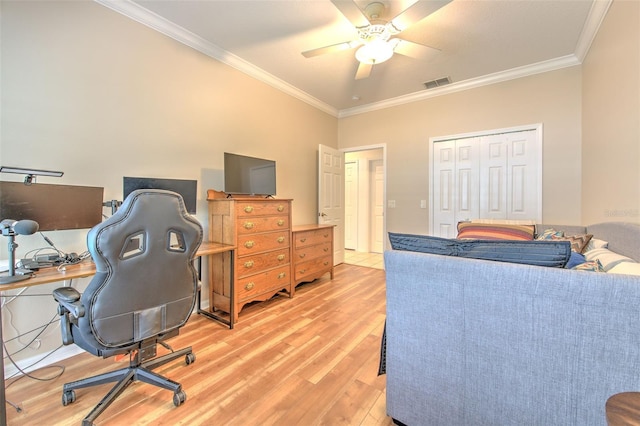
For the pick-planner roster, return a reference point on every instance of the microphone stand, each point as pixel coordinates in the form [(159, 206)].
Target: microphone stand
[(12, 278)]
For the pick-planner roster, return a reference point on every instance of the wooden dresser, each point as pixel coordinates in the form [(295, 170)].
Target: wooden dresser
[(261, 230), (312, 252)]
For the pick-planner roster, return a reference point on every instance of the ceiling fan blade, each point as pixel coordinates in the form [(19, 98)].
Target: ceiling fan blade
[(330, 49), (416, 12), (364, 70), (352, 12), (414, 50)]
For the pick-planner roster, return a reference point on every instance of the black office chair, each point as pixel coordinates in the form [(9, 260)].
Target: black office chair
[(144, 290)]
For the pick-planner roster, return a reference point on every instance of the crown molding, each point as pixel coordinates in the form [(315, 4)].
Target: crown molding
[(144, 16), (598, 11), (512, 74), (152, 20)]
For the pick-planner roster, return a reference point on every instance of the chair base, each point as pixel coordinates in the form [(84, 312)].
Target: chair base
[(140, 371)]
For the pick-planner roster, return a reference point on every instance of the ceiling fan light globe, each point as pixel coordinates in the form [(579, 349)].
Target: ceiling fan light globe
[(374, 52)]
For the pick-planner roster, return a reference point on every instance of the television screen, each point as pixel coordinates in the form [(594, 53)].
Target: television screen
[(187, 188), (248, 175), (54, 207)]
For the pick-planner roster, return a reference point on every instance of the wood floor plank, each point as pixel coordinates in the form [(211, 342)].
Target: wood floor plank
[(309, 360)]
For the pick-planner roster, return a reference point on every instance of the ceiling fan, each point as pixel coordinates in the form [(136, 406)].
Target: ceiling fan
[(376, 37)]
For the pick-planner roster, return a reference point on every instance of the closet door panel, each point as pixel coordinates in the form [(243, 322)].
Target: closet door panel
[(493, 177), (467, 184), (443, 189), (523, 172)]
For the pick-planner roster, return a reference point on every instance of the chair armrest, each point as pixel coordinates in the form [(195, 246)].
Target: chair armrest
[(69, 298)]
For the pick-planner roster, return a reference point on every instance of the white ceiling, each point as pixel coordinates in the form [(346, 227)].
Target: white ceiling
[(479, 42)]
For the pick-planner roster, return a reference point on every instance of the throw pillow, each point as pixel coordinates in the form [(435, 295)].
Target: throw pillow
[(578, 242), (628, 268), (495, 231), (549, 234), (595, 243), (607, 258), (590, 265), (575, 260)]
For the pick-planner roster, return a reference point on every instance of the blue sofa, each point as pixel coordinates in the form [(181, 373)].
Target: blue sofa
[(477, 342)]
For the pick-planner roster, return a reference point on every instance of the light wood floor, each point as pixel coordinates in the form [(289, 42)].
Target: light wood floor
[(310, 360)]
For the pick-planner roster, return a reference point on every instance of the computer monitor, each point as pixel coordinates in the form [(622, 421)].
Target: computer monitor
[(54, 207), (187, 188)]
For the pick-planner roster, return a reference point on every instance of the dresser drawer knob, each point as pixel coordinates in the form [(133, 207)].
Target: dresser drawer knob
[(326, 249), (281, 275), (249, 244), (280, 208), (280, 222), (326, 263), (248, 225), (326, 235), (248, 264), (281, 240), (302, 240), (248, 209), (302, 271), (249, 286), (281, 257), (302, 255)]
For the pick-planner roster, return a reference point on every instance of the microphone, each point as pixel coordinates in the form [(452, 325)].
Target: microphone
[(20, 227)]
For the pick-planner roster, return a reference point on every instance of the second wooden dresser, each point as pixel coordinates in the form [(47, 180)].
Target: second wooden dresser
[(312, 252), (261, 230)]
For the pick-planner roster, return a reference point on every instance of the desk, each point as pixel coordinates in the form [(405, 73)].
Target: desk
[(87, 269)]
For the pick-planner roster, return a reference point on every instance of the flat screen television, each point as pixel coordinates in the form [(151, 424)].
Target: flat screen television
[(249, 175), (54, 207), (187, 188)]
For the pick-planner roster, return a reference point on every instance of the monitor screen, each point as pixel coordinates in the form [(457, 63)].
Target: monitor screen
[(249, 175), (54, 207), (187, 188)]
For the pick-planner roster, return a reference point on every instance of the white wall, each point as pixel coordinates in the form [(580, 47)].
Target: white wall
[(552, 98), (611, 119), (99, 96)]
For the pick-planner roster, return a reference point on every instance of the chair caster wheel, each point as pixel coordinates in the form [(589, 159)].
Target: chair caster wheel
[(179, 397), (190, 358), (68, 397)]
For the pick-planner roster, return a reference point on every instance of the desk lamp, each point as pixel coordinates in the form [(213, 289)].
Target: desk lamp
[(10, 228), (30, 173)]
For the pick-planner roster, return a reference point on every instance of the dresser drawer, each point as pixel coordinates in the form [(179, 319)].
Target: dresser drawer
[(256, 243), (307, 238), (274, 279), (252, 225), (311, 252), (261, 208), (312, 267), (253, 263)]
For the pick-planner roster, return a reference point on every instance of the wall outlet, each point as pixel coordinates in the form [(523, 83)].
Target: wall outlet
[(391, 204), (423, 204)]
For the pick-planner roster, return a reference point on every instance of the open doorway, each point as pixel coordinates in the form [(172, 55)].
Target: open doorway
[(365, 195)]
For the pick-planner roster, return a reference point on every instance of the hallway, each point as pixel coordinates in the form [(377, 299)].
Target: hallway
[(370, 260)]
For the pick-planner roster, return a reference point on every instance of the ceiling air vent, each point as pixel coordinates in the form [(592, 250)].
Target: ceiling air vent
[(437, 83)]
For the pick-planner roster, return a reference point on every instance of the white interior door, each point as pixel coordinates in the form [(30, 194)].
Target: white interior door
[(377, 206), (351, 205), (330, 196)]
